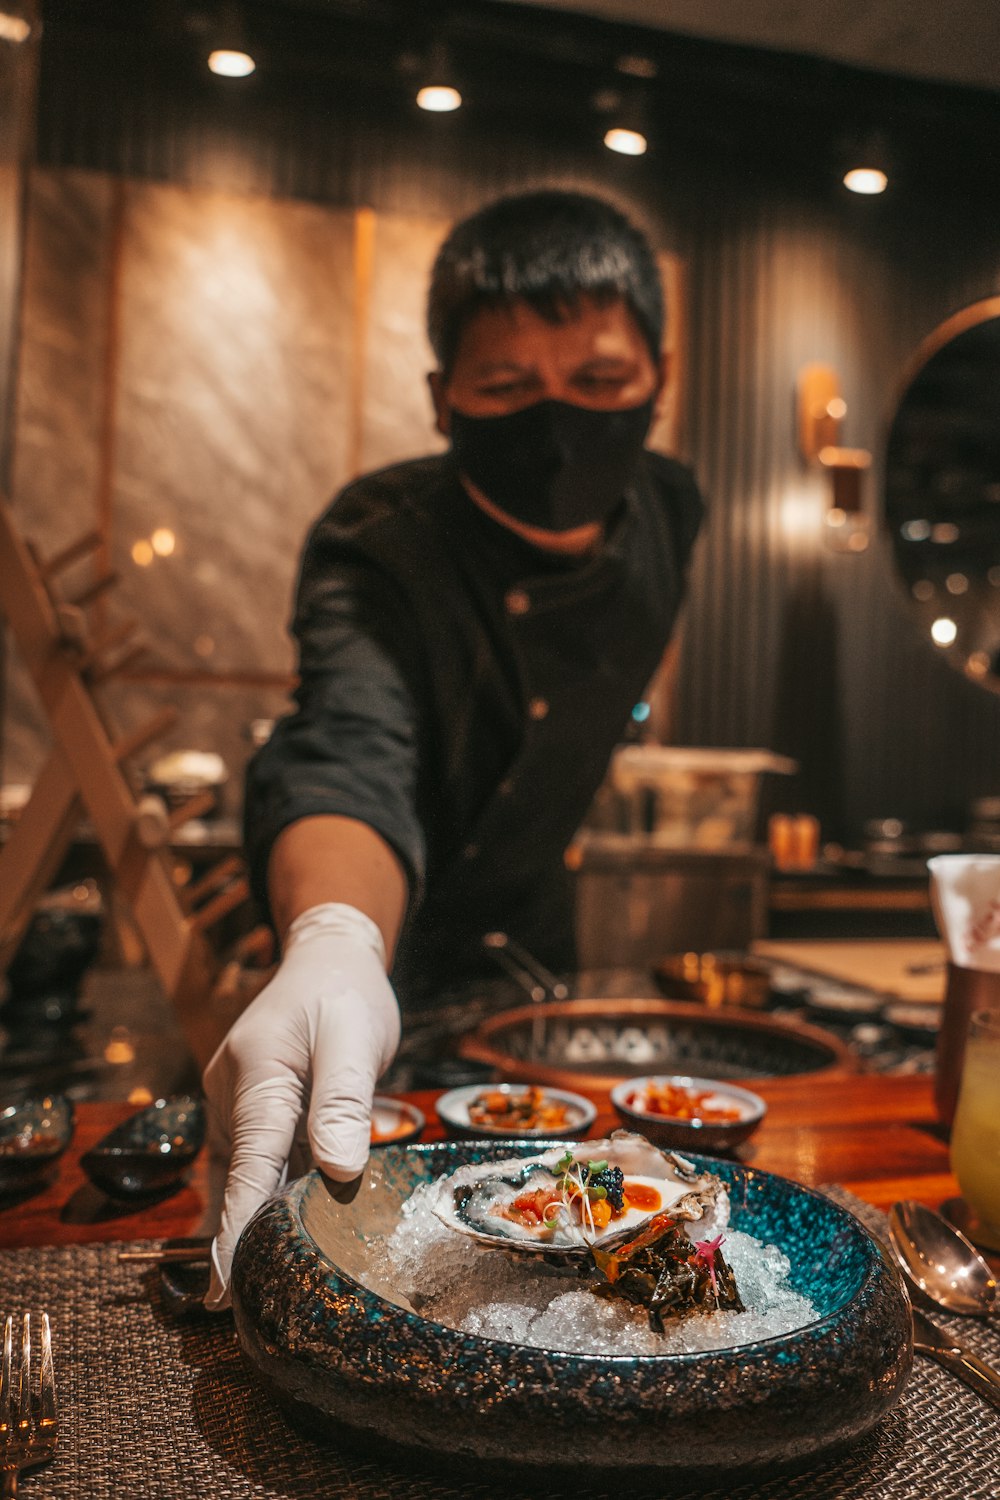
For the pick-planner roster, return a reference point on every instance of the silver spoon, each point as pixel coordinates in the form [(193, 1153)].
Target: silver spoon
[(940, 1261)]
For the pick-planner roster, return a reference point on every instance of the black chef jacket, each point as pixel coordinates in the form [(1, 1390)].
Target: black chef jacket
[(461, 692)]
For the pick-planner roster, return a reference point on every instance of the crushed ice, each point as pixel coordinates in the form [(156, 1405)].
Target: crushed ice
[(450, 1279)]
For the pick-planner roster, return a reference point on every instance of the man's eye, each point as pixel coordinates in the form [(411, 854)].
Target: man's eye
[(601, 382), (505, 388)]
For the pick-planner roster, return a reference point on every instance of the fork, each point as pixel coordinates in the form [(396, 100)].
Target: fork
[(29, 1424)]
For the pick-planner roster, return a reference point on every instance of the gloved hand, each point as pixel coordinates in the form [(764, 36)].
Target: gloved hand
[(317, 1037)]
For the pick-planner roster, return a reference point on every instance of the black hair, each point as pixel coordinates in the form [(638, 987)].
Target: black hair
[(547, 248)]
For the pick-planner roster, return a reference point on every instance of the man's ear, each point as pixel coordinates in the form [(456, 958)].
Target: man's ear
[(442, 411)]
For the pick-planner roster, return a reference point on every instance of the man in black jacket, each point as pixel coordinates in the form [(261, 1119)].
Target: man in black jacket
[(474, 630)]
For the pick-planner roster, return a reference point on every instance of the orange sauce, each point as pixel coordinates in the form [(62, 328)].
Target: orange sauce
[(638, 1195)]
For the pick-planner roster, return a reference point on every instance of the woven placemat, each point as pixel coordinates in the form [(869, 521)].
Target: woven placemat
[(155, 1409)]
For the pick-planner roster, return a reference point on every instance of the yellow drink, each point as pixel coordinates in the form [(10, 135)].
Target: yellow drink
[(975, 1136)]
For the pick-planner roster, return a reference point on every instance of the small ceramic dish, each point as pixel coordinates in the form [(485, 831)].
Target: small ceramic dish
[(560, 1114), (149, 1152), (633, 1101), (33, 1135), (394, 1122)]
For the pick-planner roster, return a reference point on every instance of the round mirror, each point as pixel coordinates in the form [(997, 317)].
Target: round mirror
[(942, 489)]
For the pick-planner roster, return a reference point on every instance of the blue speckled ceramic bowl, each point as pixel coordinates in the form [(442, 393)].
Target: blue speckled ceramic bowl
[(33, 1135), (345, 1357), (150, 1151)]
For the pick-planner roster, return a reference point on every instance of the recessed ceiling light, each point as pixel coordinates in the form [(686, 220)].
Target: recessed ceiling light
[(944, 631), (231, 64), (626, 142), (439, 98), (867, 180)]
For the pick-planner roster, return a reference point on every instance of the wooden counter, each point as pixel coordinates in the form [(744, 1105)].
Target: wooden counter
[(876, 1136)]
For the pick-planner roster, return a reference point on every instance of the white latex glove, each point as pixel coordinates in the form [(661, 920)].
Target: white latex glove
[(317, 1038)]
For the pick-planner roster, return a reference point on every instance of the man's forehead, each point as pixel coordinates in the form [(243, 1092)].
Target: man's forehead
[(507, 333)]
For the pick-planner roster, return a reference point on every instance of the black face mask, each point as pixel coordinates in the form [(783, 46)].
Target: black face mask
[(552, 465)]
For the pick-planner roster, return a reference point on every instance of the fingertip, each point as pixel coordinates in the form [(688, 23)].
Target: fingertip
[(217, 1298)]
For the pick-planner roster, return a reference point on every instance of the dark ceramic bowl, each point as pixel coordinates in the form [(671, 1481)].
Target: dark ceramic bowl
[(60, 944), (33, 1135), (356, 1362), (689, 1135), (149, 1152)]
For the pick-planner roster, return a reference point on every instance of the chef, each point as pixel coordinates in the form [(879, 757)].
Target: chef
[(474, 630)]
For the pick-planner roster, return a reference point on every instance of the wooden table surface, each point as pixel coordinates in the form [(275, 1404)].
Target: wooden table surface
[(877, 1136)]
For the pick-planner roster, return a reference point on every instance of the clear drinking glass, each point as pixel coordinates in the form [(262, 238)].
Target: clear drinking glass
[(975, 1136)]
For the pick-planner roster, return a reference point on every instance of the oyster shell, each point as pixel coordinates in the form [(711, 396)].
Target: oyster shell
[(544, 1205)]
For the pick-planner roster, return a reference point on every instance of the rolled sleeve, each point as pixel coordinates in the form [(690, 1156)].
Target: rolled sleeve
[(351, 748)]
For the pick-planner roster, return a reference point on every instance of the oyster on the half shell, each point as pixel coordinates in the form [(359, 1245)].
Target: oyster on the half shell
[(562, 1203)]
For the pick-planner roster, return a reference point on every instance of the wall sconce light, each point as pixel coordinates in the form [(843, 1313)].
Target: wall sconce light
[(822, 410), (13, 28)]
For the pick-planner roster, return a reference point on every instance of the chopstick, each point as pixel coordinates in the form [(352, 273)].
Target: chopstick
[(170, 1255)]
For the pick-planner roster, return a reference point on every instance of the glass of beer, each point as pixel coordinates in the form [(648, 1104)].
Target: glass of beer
[(975, 1136)]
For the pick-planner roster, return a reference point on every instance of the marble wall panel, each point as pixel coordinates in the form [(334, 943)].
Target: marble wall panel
[(67, 328), (233, 412), (65, 331), (397, 416)]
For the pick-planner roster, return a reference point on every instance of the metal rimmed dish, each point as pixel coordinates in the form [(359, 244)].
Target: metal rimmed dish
[(593, 1044), (630, 1100), (453, 1111), (333, 1339)]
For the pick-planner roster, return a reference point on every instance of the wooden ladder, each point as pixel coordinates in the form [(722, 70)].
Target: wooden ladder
[(83, 775)]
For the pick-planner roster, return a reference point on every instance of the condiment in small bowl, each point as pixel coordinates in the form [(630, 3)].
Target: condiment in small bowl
[(33, 1135), (149, 1152), (394, 1122), (696, 1114), (515, 1111)]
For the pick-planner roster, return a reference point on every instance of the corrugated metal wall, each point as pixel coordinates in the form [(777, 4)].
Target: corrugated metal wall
[(788, 645)]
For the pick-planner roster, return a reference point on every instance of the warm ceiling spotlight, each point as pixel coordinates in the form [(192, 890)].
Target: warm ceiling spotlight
[(626, 142), (944, 631), (13, 28), (868, 180), (439, 99), (231, 64)]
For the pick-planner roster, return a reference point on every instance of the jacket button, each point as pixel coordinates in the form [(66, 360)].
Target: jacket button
[(470, 851), (538, 708), (506, 786), (517, 602)]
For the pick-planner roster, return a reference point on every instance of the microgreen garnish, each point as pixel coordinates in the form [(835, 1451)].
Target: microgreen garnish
[(705, 1251)]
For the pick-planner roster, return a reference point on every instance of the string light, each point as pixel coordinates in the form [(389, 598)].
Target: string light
[(944, 631)]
